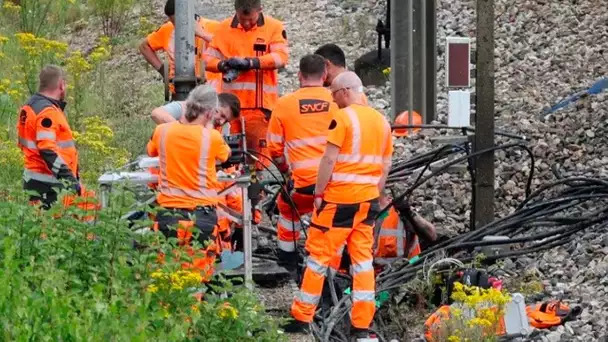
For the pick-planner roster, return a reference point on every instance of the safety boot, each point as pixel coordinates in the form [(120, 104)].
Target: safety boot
[(362, 335)]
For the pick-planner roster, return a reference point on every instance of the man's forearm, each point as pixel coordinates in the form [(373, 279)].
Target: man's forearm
[(382, 183), (150, 56), (325, 170)]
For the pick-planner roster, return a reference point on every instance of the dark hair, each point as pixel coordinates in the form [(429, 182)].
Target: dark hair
[(230, 100), (312, 66), (332, 53), (170, 8), (247, 5), (49, 77)]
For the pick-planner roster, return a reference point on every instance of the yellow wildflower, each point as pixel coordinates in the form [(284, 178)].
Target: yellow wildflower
[(453, 339), (387, 71), (3, 39), (228, 311), (152, 288)]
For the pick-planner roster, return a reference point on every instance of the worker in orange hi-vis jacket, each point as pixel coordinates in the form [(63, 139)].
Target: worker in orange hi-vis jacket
[(188, 183), (248, 49), (46, 140), (350, 179), (163, 39), (297, 132), (336, 64), (397, 238)]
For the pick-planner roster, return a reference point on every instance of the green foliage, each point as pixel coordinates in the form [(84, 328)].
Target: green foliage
[(62, 279), (113, 14), (38, 17)]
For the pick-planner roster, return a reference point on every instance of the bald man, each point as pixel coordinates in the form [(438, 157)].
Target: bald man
[(351, 177)]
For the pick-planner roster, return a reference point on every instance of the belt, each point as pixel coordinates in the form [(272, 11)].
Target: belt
[(207, 209)]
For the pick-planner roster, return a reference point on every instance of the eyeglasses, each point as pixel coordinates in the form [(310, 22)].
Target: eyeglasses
[(333, 93)]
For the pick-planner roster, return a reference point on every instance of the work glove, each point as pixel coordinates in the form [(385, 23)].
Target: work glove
[(239, 63)]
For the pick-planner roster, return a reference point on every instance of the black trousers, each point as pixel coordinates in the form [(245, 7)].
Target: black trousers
[(205, 220), (44, 192)]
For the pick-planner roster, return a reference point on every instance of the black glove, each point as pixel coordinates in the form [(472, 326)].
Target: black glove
[(239, 63), (403, 207), (222, 66)]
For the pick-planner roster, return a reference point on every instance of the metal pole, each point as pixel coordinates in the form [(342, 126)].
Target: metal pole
[(247, 231), (430, 48), (410, 62), (185, 78), (423, 62), (399, 50), (483, 192)]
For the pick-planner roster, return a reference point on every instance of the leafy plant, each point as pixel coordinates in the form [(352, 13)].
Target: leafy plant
[(113, 14)]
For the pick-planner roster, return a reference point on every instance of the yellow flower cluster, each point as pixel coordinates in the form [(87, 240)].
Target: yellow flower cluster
[(10, 154), (12, 89), (228, 311), (34, 46), (387, 71), (175, 281), (11, 6)]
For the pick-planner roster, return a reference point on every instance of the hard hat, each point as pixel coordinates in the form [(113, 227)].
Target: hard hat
[(403, 119)]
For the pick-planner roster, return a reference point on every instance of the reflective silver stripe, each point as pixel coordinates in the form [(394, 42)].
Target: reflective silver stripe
[(307, 298), (316, 267), (57, 164), (353, 178), (364, 296), (28, 143), (305, 142), (289, 225), (276, 47), (201, 192), (362, 267), (355, 156), (398, 233), (66, 144), (366, 159), (250, 86), (305, 164), (213, 52), (278, 61), (413, 246), (45, 135), (41, 177), (275, 138), (286, 246)]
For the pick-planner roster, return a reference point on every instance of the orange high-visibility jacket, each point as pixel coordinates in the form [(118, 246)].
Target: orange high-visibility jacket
[(299, 122), (46, 140), (364, 138), (164, 39), (187, 155), (392, 239), (267, 41)]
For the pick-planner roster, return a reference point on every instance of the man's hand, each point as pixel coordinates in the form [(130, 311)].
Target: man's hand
[(161, 70), (238, 63), (318, 201)]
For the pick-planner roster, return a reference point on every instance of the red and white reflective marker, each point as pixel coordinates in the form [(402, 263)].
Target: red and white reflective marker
[(458, 62)]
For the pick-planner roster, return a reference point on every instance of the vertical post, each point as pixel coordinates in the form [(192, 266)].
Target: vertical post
[(185, 78), (483, 192), (423, 60), (398, 57), (430, 48), (410, 63)]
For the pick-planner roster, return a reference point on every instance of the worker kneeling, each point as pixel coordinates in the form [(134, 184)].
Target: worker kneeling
[(298, 130), (351, 177), (187, 153)]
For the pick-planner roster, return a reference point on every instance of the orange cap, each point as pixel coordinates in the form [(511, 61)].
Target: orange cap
[(403, 119)]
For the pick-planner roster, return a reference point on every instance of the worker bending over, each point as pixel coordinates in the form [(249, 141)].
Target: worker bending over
[(229, 110), (335, 60), (351, 177), (188, 152), (248, 49), (398, 236), (163, 39), (46, 140), (298, 128)]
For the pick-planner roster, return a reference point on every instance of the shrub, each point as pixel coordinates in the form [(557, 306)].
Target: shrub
[(62, 279), (113, 14), (475, 315)]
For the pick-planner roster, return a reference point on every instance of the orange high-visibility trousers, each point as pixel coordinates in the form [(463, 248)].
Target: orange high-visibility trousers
[(256, 127), (332, 225), (289, 225)]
